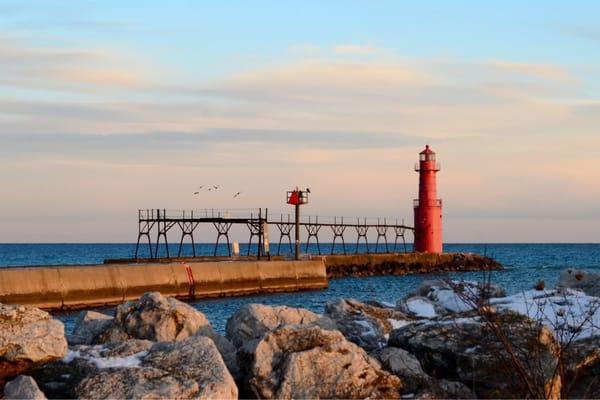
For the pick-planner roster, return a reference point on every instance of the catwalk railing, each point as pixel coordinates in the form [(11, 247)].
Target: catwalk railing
[(158, 223)]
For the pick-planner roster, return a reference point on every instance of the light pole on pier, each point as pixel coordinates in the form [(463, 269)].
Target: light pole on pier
[(297, 198)]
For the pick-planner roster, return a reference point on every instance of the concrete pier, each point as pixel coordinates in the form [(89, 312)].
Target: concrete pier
[(73, 287)]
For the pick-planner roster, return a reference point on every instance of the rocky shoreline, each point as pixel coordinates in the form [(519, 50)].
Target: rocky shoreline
[(340, 266), (449, 339)]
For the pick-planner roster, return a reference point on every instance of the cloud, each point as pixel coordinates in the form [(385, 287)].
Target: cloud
[(510, 135), (420, 98), (545, 71), (23, 66), (103, 77), (430, 98), (126, 146), (318, 80)]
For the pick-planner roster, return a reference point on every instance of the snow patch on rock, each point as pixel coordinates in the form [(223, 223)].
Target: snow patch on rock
[(451, 301), (396, 323), (369, 330), (569, 313), (420, 308), (132, 361)]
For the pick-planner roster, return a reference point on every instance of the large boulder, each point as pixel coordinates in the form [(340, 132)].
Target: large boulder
[(153, 317), (300, 361), (252, 321), (420, 307), (28, 337), (582, 360), (190, 368), (90, 326), (157, 318), (59, 379), (405, 366), (484, 288), (23, 387), (445, 389), (471, 351), (587, 282), (364, 324)]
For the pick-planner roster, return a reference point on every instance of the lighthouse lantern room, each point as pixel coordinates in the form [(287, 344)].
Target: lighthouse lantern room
[(428, 208)]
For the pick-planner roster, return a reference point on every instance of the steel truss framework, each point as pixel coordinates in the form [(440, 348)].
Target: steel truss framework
[(160, 221)]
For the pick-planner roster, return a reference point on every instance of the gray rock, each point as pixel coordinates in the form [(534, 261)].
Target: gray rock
[(582, 359), (227, 350), (23, 387), (157, 318), (138, 383), (252, 321), (190, 368), (379, 304), (449, 297), (28, 337), (83, 363), (121, 350), (445, 389), (587, 282), (300, 361), (364, 324), (89, 327), (464, 349), (106, 356), (420, 307), (485, 289), (58, 379), (404, 365)]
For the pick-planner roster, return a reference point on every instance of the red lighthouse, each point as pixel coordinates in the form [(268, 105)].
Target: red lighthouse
[(428, 208)]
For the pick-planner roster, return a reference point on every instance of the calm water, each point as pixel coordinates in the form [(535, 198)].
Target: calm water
[(525, 265)]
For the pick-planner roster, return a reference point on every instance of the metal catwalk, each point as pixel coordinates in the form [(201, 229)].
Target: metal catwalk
[(157, 223)]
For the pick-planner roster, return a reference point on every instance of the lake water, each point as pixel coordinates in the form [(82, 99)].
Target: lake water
[(525, 265)]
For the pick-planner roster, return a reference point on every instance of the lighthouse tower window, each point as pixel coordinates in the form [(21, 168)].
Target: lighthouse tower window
[(422, 157), (431, 157)]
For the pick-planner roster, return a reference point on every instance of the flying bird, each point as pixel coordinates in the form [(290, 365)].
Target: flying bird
[(201, 186), (196, 192), (307, 190), (237, 194), (216, 186)]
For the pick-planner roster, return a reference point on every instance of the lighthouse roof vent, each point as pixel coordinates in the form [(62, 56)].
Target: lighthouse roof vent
[(427, 150)]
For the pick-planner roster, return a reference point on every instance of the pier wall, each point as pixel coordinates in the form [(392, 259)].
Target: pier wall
[(72, 287)]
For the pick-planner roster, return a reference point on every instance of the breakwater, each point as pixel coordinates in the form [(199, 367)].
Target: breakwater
[(405, 263), (73, 287)]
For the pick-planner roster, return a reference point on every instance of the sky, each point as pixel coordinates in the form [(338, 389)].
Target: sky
[(110, 106)]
